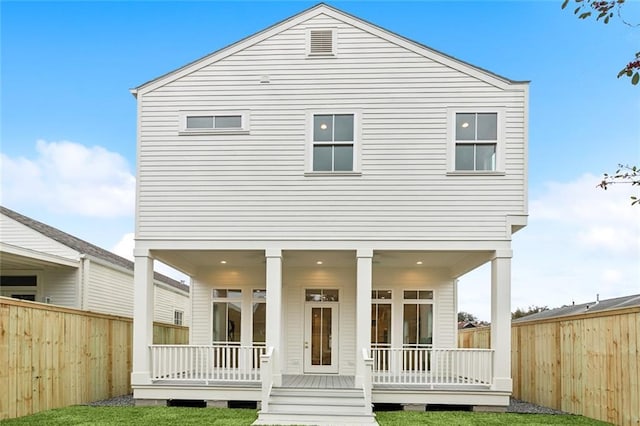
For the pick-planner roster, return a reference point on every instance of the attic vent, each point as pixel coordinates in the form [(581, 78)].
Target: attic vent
[(321, 42)]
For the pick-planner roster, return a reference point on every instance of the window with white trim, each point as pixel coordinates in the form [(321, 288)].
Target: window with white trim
[(417, 318), (226, 316), (259, 317), (476, 142), (333, 143), (178, 317), (381, 319), (22, 287), (214, 122)]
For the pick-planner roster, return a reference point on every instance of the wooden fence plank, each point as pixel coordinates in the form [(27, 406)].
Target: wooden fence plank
[(583, 364), (56, 357)]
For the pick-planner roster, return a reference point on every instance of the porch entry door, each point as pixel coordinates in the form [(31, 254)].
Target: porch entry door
[(321, 338)]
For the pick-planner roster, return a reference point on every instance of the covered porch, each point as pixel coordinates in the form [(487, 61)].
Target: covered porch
[(382, 322)]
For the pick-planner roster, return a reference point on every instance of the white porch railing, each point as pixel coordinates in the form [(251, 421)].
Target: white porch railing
[(266, 366), (366, 380), (430, 366), (215, 363)]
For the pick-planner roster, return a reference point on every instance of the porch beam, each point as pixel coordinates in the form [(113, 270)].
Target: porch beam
[(501, 320), (363, 309), (274, 311), (142, 317)]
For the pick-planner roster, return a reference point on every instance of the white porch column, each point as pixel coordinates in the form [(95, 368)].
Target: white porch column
[(142, 317), (363, 309), (501, 320), (274, 311)]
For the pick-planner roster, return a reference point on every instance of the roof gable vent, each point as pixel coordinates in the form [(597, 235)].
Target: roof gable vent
[(321, 42)]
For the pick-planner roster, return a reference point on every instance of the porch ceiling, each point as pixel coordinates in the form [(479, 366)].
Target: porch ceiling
[(456, 262)]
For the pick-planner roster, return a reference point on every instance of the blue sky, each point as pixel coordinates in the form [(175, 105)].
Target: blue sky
[(68, 119)]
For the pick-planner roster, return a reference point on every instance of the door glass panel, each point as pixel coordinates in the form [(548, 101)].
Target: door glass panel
[(320, 336), (259, 322)]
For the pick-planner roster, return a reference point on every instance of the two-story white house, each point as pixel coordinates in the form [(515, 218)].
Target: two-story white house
[(325, 182)]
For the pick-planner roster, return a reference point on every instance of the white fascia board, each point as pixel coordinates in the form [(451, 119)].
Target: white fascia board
[(427, 52), (227, 51), (305, 244), (38, 255), (320, 9)]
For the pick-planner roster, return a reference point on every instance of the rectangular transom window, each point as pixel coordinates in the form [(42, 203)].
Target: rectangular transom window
[(213, 122), (476, 140), (333, 142)]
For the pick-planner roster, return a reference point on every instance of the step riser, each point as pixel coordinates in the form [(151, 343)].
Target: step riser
[(302, 409), (315, 401)]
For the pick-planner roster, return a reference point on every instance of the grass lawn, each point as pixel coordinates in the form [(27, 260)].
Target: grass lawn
[(84, 415)]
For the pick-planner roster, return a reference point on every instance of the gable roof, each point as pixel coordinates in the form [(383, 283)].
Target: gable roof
[(584, 308), (84, 247), (319, 9)]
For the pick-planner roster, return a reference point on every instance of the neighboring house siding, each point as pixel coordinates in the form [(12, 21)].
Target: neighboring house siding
[(19, 235), (166, 302), (237, 186), (109, 290), (60, 285)]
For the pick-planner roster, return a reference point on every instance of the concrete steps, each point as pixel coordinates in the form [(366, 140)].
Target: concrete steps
[(300, 406)]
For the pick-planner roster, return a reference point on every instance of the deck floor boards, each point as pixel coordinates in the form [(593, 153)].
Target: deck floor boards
[(318, 381)]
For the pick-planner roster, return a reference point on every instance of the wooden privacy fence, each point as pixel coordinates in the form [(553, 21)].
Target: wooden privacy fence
[(585, 364), (54, 357)]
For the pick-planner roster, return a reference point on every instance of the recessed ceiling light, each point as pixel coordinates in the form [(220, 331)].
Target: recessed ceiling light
[(419, 262), (223, 262), (319, 262)]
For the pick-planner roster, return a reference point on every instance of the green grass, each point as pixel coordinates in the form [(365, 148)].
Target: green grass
[(121, 416)]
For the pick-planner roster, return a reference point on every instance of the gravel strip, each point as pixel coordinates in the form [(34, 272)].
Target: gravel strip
[(516, 406)]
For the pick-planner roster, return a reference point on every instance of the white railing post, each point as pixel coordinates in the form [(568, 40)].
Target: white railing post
[(366, 381), (266, 375)]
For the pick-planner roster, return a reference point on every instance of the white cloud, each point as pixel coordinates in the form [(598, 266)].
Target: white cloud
[(125, 246), (67, 177), (581, 241)]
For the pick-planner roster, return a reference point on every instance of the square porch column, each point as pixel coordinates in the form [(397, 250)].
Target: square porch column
[(501, 320), (363, 309), (274, 311), (142, 317)]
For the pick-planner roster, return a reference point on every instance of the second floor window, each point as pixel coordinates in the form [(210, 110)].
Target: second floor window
[(476, 139), (333, 142)]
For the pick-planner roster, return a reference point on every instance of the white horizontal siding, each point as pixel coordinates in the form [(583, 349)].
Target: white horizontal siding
[(19, 235), (167, 302), (109, 291), (253, 186), (60, 285)]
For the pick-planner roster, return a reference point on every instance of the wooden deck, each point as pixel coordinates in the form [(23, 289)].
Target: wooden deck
[(318, 381)]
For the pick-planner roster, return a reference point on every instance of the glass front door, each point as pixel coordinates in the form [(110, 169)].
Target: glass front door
[(320, 344)]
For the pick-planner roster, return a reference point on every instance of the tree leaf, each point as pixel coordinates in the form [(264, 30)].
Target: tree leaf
[(635, 79), (565, 3)]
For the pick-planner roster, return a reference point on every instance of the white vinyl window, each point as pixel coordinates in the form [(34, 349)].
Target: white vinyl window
[(259, 317), (334, 143), (476, 141), (418, 317), (381, 319), (178, 317), (226, 316), (207, 122)]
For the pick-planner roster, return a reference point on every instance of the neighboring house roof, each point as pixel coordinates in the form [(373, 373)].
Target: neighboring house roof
[(305, 15), (595, 306), (84, 247)]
